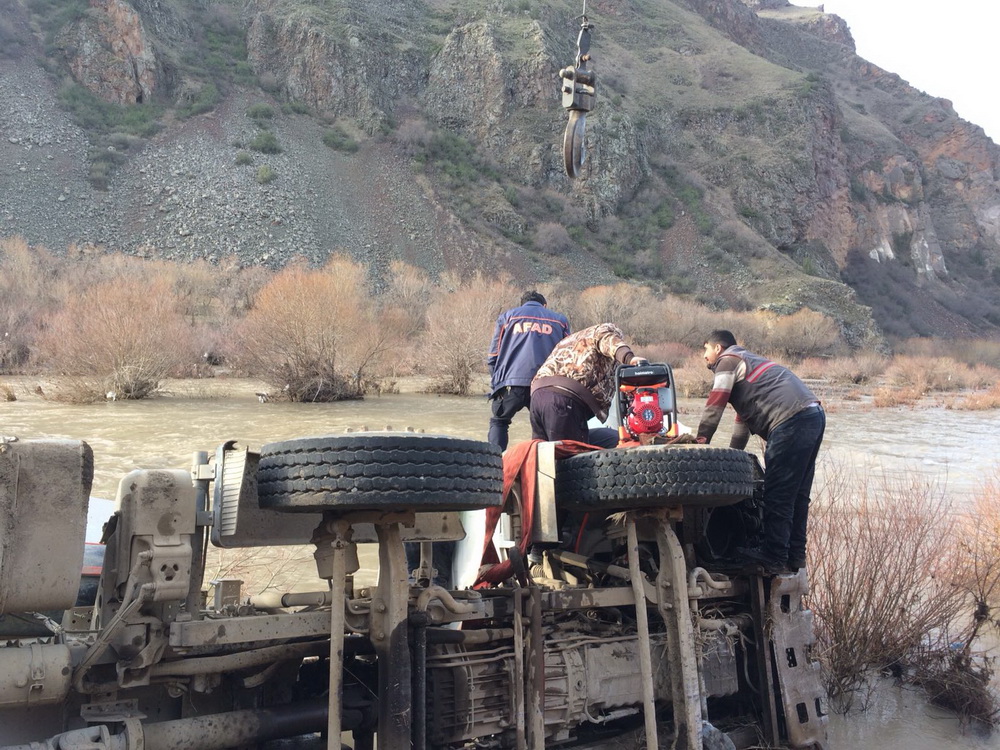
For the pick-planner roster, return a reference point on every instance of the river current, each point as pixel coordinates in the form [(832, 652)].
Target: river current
[(955, 449)]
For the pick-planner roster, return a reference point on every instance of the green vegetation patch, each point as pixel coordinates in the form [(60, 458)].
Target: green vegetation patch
[(98, 116), (266, 174), (266, 142), (260, 113), (339, 140), (204, 101)]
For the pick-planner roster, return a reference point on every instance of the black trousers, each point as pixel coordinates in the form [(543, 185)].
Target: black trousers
[(559, 416), (506, 402)]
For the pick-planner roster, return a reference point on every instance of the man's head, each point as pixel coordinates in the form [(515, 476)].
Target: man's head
[(716, 343), (532, 296)]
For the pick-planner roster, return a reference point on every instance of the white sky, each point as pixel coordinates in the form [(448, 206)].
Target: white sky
[(947, 49)]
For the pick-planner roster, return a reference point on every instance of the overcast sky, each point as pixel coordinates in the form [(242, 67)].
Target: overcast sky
[(949, 49)]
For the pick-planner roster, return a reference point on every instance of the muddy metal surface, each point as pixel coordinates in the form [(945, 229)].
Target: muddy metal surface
[(954, 448)]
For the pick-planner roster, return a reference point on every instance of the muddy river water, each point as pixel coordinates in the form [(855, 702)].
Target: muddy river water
[(955, 449)]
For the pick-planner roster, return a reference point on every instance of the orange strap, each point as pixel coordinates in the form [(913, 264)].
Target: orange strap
[(519, 462)]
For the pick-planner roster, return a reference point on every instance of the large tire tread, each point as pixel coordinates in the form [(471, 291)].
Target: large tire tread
[(379, 471), (654, 476)]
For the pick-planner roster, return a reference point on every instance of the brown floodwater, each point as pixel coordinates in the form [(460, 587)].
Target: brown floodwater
[(954, 449)]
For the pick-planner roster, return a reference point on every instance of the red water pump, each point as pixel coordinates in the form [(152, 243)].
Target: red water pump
[(645, 417)]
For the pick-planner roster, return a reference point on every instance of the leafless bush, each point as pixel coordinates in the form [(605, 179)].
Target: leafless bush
[(957, 674), (552, 238), (670, 352), (315, 334), (406, 300), (413, 136), (261, 569), (694, 380), (969, 351), (938, 373), (27, 285), (805, 333), (241, 286), (883, 561), (858, 369), (459, 327), (119, 338)]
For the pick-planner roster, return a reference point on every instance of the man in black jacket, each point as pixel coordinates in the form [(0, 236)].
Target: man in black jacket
[(770, 401)]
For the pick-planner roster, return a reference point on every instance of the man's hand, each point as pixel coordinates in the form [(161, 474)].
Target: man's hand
[(638, 361)]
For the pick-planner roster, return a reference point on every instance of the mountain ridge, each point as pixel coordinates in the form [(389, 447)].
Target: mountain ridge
[(741, 152)]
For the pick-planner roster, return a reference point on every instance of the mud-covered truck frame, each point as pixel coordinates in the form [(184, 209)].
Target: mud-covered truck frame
[(556, 655)]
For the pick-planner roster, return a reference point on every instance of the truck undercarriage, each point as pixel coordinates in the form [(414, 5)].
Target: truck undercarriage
[(556, 656)]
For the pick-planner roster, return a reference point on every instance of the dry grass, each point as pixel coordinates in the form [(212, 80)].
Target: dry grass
[(939, 374), (980, 401), (902, 396)]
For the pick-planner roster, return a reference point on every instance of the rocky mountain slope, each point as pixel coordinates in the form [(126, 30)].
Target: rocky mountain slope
[(741, 152)]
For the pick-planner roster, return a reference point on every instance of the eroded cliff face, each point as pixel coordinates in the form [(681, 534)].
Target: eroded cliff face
[(353, 70), (109, 52), (781, 156)]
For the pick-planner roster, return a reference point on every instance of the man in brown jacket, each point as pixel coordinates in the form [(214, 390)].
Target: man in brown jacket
[(770, 401), (576, 383)]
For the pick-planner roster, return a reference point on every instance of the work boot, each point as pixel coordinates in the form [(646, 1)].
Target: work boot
[(757, 562)]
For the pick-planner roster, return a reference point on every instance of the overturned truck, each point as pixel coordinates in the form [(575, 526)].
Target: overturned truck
[(626, 631)]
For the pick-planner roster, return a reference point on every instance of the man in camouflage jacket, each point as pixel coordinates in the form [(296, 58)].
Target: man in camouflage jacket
[(576, 383)]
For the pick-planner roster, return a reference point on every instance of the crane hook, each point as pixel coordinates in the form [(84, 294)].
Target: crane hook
[(579, 91)]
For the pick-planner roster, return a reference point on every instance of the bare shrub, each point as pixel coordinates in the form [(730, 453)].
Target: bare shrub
[(263, 569), (969, 351), (405, 301), (459, 328), (241, 287), (959, 677), (119, 338), (27, 276), (670, 352), (553, 239), (410, 289), (414, 136), (938, 373), (314, 334), (882, 560), (196, 286), (863, 367), (858, 369), (814, 368), (632, 307), (805, 333), (694, 380)]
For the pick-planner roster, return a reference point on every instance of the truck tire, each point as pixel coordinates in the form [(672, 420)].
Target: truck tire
[(654, 476), (379, 471)]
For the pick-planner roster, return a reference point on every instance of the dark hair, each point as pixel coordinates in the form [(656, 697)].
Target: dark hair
[(532, 296), (726, 338)]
